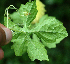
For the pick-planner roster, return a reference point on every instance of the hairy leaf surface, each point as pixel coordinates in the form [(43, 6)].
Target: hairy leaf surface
[(36, 49), (25, 14), (33, 38), (50, 31)]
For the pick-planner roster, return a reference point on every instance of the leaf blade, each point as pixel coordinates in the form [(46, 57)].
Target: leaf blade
[(36, 50), (50, 30)]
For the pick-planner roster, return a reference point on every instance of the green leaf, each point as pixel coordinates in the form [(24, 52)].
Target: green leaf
[(33, 38), (49, 45), (25, 14), (13, 26), (36, 49), (50, 31), (19, 45), (14, 16)]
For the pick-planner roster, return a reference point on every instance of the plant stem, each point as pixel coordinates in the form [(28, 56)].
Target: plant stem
[(7, 17), (29, 0)]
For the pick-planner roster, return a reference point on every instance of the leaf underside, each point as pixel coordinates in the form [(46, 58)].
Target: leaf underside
[(33, 38)]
